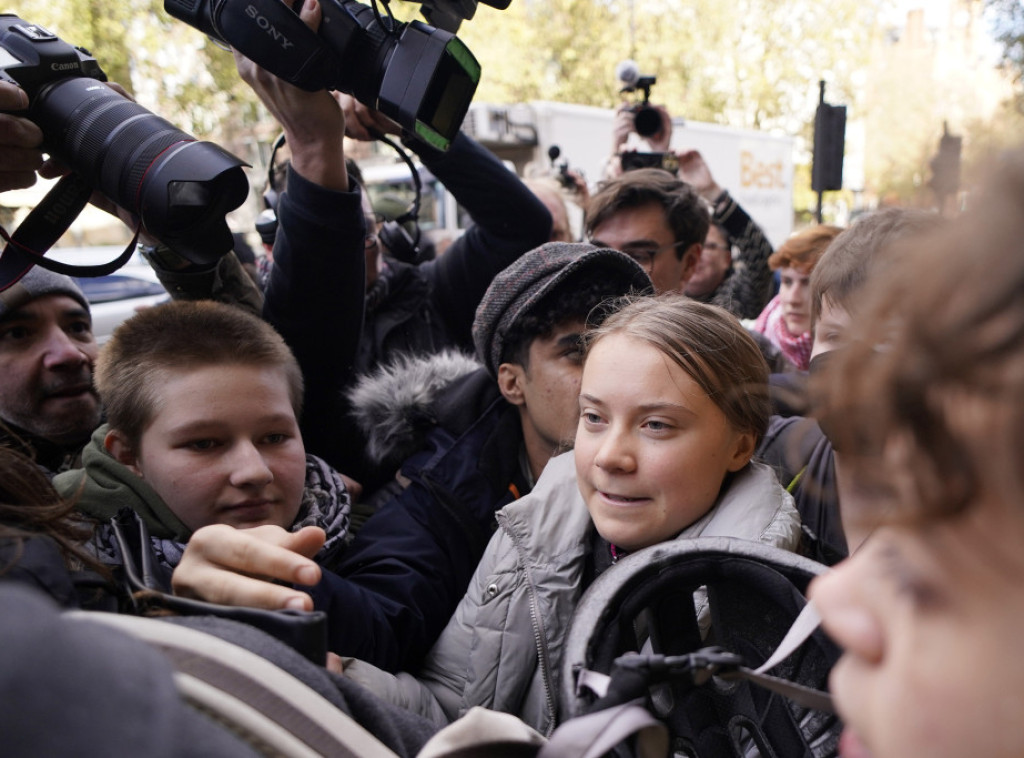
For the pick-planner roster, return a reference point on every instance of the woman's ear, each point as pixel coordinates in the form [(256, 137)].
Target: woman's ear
[(743, 450), (510, 382), (121, 451)]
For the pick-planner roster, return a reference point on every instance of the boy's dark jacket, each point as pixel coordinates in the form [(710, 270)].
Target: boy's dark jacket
[(409, 566)]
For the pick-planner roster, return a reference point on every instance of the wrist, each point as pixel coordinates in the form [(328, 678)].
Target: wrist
[(713, 193), (719, 201), (163, 258)]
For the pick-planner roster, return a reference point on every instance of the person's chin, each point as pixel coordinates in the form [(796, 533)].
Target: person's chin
[(796, 328), (69, 420), (851, 746)]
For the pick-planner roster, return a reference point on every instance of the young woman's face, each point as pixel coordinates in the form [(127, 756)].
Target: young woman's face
[(652, 448), (931, 621), (224, 448), (795, 296)]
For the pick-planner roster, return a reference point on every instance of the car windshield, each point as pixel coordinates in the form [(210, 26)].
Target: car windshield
[(106, 289)]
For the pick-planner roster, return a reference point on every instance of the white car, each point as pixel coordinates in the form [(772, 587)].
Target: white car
[(114, 297)]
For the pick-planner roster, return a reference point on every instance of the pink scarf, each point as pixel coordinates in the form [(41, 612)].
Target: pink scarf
[(771, 324)]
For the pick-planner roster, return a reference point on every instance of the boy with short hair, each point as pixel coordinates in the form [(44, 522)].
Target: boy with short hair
[(799, 448), (202, 402)]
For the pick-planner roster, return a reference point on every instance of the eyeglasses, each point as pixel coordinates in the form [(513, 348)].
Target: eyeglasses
[(716, 246), (643, 254)]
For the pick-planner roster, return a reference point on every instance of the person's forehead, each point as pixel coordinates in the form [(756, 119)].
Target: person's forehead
[(568, 331), (51, 304), (635, 223), (715, 234), (834, 312)]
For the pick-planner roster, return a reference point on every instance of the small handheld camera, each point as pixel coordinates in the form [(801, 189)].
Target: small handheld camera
[(633, 160), (646, 119)]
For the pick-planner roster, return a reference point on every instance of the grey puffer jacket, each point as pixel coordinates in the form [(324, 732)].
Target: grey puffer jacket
[(502, 649)]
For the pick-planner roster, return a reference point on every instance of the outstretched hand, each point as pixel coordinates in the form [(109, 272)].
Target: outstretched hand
[(231, 566), (695, 172)]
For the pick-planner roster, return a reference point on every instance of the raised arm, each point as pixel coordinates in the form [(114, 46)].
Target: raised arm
[(509, 220), (314, 297), (746, 290)]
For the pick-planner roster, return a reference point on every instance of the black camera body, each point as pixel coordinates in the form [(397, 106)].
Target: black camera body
[(646, 119), (561, 168), (180, 188), (631, 160), (420, 76)]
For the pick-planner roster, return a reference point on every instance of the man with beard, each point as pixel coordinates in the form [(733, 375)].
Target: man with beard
[(48, 407)]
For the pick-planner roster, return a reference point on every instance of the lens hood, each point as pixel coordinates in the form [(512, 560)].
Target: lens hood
[(185, 196)]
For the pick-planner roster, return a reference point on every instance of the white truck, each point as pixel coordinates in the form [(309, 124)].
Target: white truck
[(757, 168)]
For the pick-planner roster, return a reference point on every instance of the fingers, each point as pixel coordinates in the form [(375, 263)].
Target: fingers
[(660, 142), (19, 132), (335, 663), (311, 13), (12, 97), (239, 567), (362, 122)]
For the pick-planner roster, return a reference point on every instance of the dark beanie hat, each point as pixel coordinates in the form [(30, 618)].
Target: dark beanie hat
[(36, 283), (516, 290)]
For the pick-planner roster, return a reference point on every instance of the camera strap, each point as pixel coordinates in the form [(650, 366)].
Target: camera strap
[(44, 226)]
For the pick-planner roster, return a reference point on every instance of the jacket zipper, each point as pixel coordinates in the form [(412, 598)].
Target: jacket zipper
[(538, 637)]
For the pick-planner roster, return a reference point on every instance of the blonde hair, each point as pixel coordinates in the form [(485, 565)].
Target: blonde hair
[(709, 344)]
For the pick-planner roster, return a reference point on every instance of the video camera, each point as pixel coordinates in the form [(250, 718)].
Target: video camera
[(420, 76), (646, 119), (563, 175), (180, 189)]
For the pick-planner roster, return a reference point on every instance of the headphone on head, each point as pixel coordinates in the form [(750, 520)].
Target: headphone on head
[(393, 234), (266, 221)]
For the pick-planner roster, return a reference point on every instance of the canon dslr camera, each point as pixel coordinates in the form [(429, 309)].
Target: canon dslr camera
[(180, 189)]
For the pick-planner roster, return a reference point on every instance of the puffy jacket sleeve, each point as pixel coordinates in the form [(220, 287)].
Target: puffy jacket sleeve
[(436, 692)]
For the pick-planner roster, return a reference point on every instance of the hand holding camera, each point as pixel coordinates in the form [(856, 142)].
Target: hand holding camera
[(362, 122), (695, 172), (21, 155), (179, 187)]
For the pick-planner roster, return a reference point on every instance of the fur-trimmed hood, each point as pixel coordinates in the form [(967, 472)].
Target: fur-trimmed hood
[(395, 404)]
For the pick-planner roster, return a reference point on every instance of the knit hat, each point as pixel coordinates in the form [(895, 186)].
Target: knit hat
[(517, 290), (37, 282)]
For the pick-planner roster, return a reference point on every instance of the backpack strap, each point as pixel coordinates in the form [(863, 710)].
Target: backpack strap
[(269, 708), (713, 661), (595, 734)]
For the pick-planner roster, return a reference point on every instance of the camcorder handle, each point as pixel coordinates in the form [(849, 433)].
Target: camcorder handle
[(269, 33)]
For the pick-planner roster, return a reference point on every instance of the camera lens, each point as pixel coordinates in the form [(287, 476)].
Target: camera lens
[(180, 188), (647, 121)]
